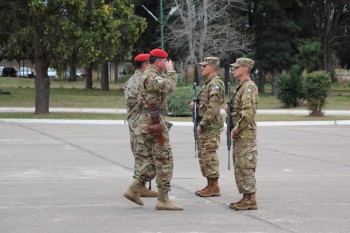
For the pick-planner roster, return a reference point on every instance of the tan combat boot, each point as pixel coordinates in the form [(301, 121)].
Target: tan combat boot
[(213, 190), (163, 202), (203, 189), (145, 192), (133, 192), (244, 198), (250, 204)]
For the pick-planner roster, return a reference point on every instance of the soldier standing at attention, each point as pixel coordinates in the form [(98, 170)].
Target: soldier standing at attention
[(158, 80), (244, 103), (210, 125), (143, 160)]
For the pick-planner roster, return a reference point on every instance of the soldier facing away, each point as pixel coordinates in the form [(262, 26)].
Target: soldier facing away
[(143, 160), (158, 80), (210, 125), (244, 103)]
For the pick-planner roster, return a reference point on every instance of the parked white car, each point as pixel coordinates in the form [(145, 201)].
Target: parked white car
[(52, 73), (25, 72), (1, 68)]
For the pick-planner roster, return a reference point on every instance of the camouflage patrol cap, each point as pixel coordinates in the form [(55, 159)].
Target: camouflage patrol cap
[(210, 60), (243, 61)]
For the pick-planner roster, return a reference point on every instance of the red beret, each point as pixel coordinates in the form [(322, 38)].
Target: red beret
[(142, 57), (159, 53)]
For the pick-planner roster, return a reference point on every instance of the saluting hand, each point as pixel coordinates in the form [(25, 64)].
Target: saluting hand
[(169, 65)]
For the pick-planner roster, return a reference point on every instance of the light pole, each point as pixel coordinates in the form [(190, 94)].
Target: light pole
[(161, 20)]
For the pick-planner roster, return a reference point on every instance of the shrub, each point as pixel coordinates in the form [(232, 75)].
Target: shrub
[(290, 88), (178, 101), (310, 55), (317, 85)]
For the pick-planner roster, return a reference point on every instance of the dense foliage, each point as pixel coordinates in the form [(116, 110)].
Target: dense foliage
[(317, 87), (291, 87), (178, 101)]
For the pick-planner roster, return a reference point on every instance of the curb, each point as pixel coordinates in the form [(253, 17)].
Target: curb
[(176, 123)]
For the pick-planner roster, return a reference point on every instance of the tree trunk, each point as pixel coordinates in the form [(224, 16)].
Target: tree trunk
[(104, 77), (275, 77), (88, 77), (261, 81), (42, 81), (73, 72), (116, 72)]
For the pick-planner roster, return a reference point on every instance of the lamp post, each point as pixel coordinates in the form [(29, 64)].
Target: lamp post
[(161, 20)]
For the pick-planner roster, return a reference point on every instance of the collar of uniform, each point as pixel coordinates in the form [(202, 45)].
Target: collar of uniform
[(137, 71), (248, 79), (209, 80), (152, 68)]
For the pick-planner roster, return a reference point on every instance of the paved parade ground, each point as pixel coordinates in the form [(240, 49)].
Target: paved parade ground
[(70, 178)]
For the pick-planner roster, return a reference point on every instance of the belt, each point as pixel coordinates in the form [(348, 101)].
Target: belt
[(161, 111)]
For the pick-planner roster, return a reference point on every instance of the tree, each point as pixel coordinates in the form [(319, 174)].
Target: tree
[(276, 33), (203, 28), (309, 56), (291, 87), (91, 30), (328, 22)]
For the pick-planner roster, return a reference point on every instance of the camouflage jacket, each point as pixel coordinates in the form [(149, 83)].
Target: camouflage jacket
[(244, 103), (208, 106), (153, 88), (131, 95)]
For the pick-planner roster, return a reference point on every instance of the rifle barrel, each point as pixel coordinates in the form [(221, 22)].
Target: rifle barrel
[(195, 118), (228, 123)]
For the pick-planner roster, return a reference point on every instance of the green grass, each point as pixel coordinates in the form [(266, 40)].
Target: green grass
[(62, 94), (66, 94)]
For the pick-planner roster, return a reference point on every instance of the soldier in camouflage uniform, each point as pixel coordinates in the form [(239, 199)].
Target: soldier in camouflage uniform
[(244, 103), (210, 98), (158, 80), (143, 160)]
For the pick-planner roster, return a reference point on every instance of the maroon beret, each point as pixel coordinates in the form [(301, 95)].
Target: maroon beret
[(159, 53), (142, 57)]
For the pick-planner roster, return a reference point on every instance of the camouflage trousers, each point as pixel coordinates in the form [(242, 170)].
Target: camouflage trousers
[(144, 164), (161, 153), (208, 143), (244, 159)]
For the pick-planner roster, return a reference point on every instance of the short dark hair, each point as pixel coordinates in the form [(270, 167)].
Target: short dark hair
[(153, 59), (138, 64)]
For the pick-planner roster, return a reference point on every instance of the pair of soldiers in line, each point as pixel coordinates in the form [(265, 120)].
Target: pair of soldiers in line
[(243, 106), (153, 84)]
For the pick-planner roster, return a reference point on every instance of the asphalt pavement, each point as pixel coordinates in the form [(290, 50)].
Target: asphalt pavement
[(69, 177)]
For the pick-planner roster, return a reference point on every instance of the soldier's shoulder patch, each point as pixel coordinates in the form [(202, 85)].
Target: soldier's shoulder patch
[(217, 87), (249, 89)]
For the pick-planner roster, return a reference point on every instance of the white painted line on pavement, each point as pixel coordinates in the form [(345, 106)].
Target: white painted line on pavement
[(177, 123)]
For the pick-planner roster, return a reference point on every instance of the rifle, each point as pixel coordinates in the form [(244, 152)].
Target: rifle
[(195, 119), (228, 123)]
